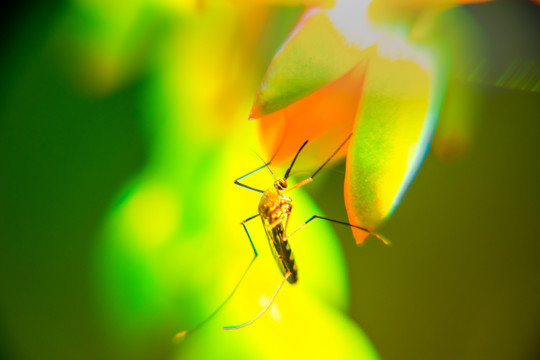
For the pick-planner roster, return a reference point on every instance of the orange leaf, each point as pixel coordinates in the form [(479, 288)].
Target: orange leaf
[(327, 115)]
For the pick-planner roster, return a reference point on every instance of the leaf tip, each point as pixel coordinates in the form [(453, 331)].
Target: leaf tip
[(180, 336), (359, 236), (255, 112)]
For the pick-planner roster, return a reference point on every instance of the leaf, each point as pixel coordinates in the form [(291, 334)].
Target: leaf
[(391, 136), (315, 54), (328, 113), (397, 105), (395, 11)]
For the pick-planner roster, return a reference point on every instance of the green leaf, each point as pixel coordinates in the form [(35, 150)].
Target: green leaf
[(315, 54), (396, 115), (391, 136)]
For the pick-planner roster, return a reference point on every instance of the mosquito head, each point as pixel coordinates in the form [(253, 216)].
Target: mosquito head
[(280, 184)]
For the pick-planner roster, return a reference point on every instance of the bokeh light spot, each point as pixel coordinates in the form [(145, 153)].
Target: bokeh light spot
[(152, 215)]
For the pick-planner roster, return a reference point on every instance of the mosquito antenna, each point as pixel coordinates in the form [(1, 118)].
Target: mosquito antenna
[(290, 167), (267, 164), (331, 156), (309, 179), (265, 308)]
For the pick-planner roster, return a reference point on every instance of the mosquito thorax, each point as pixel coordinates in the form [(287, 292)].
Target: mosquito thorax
[(280, 184)]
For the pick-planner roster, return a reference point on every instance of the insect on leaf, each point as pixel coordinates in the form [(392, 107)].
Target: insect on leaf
[(394, 101)]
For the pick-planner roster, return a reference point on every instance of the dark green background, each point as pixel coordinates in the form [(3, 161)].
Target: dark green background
[(461, 280)]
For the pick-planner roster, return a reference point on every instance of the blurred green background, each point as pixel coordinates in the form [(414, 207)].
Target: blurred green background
[(461, 280)]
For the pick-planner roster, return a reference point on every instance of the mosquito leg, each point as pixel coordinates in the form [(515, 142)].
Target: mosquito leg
[(386, 242), (180, 335), (243, 223), (237, 181), (265, 308), (310, 179)]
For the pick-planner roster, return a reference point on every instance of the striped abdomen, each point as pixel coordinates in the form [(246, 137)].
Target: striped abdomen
[(282, 251), (274, 210)]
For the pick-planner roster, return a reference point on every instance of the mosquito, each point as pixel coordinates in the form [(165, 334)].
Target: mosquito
[(274, 210)]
